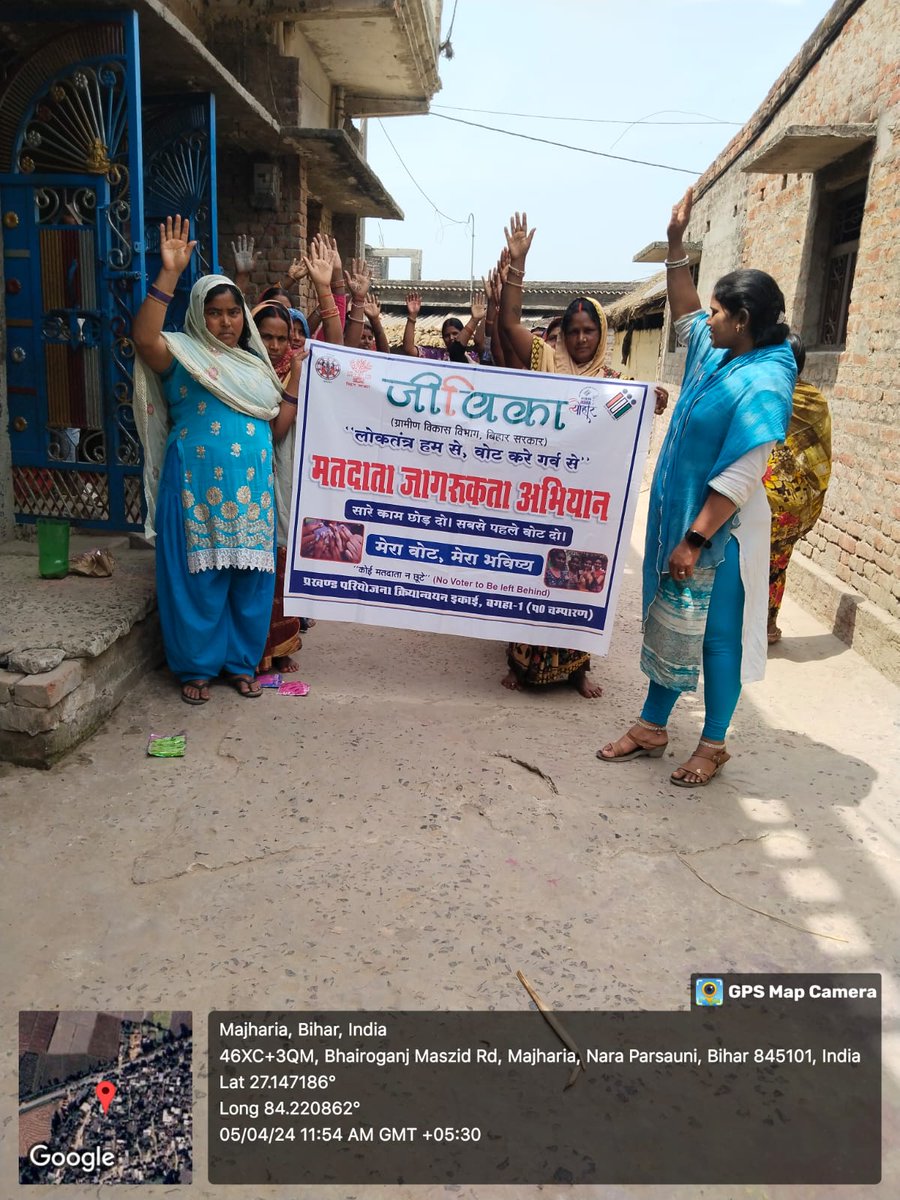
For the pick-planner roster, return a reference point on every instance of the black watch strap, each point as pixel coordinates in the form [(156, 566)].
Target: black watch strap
[(696, 539)]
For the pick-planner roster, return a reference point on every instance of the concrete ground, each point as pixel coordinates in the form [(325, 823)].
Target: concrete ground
[(410, 835)]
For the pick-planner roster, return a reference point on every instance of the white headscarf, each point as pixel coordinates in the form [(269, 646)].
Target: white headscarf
[(240, 378)]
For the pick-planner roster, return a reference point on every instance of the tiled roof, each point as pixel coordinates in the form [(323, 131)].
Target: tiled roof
[(428, 329)]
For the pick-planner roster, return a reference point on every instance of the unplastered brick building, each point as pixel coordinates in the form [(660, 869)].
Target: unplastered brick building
[(809, 190)]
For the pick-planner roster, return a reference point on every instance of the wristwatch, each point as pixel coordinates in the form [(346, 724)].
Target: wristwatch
[(696, 539)]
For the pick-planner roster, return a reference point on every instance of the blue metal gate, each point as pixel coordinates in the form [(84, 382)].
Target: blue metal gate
[(70, 195), (180, 177)]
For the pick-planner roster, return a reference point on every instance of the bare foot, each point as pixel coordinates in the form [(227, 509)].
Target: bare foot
[(285, 664), (582, 681), (510, 680), (774, 634)]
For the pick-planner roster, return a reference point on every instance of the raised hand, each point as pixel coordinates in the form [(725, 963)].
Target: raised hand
[(518, 238), (372, 307), (413, 305), (479, 306), (318, 265), (297, 270), (244, 259), (491, 285), (503, 267), (681, 215), (358, 279), (174, 248)]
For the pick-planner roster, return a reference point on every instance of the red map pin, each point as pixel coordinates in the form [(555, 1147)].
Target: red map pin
[(106, 1092)]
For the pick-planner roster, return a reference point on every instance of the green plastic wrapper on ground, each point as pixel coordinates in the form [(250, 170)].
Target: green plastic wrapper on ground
[(163, 746)]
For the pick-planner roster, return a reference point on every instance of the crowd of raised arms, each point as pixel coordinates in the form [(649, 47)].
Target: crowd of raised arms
[(216, 409)]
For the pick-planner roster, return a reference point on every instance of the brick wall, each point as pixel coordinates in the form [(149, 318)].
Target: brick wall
[(769, 221), (279, 234)]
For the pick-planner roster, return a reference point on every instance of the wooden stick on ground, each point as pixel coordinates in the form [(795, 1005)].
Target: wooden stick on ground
[(556, 1026)]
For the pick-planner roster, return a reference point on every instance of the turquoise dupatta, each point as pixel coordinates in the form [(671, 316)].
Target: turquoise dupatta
[(727, 407)]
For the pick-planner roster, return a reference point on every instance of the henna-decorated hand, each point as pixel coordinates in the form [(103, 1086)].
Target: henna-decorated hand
[(358, 279)]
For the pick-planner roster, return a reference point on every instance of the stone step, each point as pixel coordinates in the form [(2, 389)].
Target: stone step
[(70, 649)]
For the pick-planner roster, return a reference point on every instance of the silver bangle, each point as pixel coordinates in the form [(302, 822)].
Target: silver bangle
[(671, 264)]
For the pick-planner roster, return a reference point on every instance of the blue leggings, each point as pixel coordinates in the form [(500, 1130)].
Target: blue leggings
[(721, 655), (212, 621)]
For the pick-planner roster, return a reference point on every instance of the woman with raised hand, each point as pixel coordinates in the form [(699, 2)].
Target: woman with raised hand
[(581, 350), (357, 281), (275, 324), (203, 403), (374, 337), (707, 550), (452, 330)]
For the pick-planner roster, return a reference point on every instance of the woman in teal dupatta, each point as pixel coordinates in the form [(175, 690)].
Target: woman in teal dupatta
[(706, 555)]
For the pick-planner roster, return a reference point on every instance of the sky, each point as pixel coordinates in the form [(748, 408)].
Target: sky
[(706, 64)]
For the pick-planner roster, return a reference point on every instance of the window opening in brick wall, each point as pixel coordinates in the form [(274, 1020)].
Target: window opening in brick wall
[(846, 225)]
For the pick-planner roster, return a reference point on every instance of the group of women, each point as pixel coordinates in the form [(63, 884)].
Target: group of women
[(216, 407)]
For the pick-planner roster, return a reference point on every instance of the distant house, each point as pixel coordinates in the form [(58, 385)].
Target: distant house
[(636, 321), (443, 298)]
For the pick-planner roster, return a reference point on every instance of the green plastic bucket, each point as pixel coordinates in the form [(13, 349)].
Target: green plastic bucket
[(53, 547)]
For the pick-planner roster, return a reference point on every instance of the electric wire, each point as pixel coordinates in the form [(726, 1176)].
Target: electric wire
[(495, 112), (564, 146), (452, 220)]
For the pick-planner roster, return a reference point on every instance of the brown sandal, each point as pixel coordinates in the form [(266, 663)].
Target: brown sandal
[(623, 752), (719, 756)]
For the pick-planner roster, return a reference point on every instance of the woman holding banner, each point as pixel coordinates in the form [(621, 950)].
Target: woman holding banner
[(580, 349), (275, 324), (707, 549)]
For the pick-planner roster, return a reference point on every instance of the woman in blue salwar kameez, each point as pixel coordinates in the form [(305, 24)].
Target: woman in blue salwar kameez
[(204, 400), (706, 554)]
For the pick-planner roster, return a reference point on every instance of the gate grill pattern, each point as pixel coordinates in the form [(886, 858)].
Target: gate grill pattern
[(70, 147)]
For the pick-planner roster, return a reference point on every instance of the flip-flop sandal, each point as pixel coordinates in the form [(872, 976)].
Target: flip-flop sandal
[(249, 680), (199, 684)]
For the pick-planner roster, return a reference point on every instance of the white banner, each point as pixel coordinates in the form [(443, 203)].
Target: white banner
[(462, 499)]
